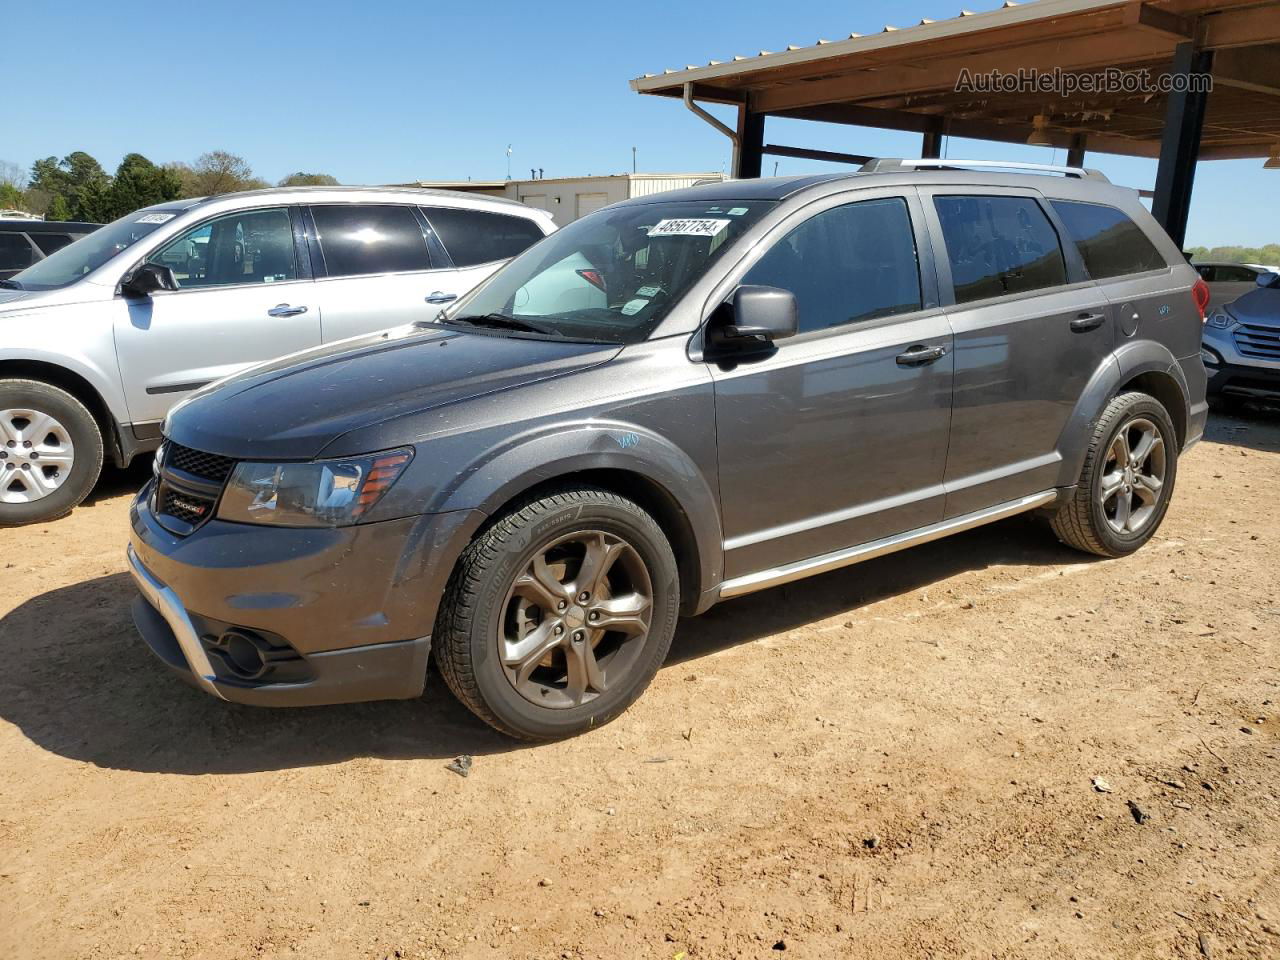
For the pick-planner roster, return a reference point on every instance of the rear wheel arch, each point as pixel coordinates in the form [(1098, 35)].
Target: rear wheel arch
[(1169, 391)]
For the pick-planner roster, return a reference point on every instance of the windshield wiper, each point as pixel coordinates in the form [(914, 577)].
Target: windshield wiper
[(503, 322), (11, 284)]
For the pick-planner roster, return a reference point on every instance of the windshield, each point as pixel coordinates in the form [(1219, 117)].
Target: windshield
[(73, 261), (613, 275)]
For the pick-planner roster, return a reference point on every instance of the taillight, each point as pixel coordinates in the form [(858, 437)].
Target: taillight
[(1200, 294), (594, 278)]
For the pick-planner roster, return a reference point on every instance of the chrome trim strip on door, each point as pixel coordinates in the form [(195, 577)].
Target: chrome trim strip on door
[(774, 576)]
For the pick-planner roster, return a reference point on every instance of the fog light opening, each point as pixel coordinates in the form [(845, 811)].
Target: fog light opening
[(244, 654)]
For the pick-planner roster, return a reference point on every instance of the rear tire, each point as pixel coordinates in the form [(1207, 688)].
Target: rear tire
[(1128, 478), (50, 452), (558, 616)]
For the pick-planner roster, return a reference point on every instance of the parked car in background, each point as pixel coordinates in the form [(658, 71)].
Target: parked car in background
[(27, 241), (1230, 280), (102, 337), (674, 400), (1241, 349)]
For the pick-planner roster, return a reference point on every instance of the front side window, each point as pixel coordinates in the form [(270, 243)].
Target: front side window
[(250, 246), (998, 246), (846, 264), (15, 251), (1110, 244), (473, 237), (1230, 274), (611, 276), (359, 239)]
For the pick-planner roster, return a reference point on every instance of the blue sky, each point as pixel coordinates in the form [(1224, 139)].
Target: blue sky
[(379, 92)]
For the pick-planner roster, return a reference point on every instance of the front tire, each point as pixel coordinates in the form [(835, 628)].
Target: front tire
[(558, 616), (1127, 480), (50, 452)]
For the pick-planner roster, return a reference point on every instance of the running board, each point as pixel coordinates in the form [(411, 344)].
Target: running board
[(878, 548)]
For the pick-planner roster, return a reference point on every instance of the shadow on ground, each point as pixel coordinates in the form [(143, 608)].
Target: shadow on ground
[(78, 681), (1251, 425)]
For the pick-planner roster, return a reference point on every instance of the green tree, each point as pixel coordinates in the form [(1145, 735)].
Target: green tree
[(309, 180), (140, 183), (58, 209)]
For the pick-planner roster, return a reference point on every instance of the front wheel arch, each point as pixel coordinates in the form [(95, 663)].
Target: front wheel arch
[(80, 388)]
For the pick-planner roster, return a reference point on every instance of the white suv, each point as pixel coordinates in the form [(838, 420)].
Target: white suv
[(102, 337)]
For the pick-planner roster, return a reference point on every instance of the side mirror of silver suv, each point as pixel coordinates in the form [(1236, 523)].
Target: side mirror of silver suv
[(146, 279), (756, 316)]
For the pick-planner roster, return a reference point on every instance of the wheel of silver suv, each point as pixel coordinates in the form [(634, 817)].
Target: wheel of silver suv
[(557, 617), (50, 451)]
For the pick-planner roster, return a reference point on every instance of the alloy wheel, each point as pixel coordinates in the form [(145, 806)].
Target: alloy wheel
[(576, 619), (1133, 477), (36, 455)]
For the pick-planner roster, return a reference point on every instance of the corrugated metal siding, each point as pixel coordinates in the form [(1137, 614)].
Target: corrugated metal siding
[(643, 186)]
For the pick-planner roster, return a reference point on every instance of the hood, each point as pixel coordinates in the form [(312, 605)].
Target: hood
[(292, 408), (1260, 307)]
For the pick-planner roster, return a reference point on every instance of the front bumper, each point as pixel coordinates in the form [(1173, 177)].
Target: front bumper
[(1235, 380), (334, 615)]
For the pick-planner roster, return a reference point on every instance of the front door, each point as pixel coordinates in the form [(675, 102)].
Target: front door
[(243, 298), (1030, 331), (840, 436)]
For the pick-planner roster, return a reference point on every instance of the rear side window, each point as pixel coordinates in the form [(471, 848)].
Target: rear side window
[(998, 246), (1230, 274), (1110, 244), (49, 242), (358, 239), (15, 251), (846, 264), (474, 236)]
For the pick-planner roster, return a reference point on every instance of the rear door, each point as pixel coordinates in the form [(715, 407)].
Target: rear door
[(1030, 330), (245, 295), (376, 267), (840, 436)]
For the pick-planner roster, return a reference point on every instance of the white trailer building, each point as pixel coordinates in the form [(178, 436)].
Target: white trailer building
[(568, 198)]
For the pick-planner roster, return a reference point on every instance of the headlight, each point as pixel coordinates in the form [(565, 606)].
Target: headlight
[(1221, 318), (325, 493)]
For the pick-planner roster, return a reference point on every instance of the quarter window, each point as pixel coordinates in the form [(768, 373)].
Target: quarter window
[(847, 264), (998, 246), (1110, 244), (475, 236), (250, 246), (360, 239)]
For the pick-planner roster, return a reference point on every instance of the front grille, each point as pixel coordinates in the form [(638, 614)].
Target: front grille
[(1261, 343), (188, 485), (188, 509), (207, 466)]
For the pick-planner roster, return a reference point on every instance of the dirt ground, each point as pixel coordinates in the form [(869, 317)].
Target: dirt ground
[(893, 760)]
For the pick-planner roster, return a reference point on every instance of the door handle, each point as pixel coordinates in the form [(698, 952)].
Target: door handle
[(921, 354), (439, 296), (1088, 321), (285, 310)]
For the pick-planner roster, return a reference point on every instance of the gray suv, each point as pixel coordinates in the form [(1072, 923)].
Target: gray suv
[(675, 400)]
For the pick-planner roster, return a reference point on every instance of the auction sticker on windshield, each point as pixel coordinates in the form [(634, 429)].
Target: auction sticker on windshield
[(699, 227), (156, 218)]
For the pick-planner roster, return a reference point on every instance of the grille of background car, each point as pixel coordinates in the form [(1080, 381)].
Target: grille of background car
[(1261, 343)]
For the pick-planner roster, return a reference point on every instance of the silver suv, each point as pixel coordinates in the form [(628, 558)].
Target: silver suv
[(102, 337)]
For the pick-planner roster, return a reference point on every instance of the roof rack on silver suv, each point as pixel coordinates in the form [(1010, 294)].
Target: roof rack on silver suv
[(888, 164)]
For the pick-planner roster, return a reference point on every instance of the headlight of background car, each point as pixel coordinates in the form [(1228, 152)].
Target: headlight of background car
[(1220, 318), (325, 493)]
